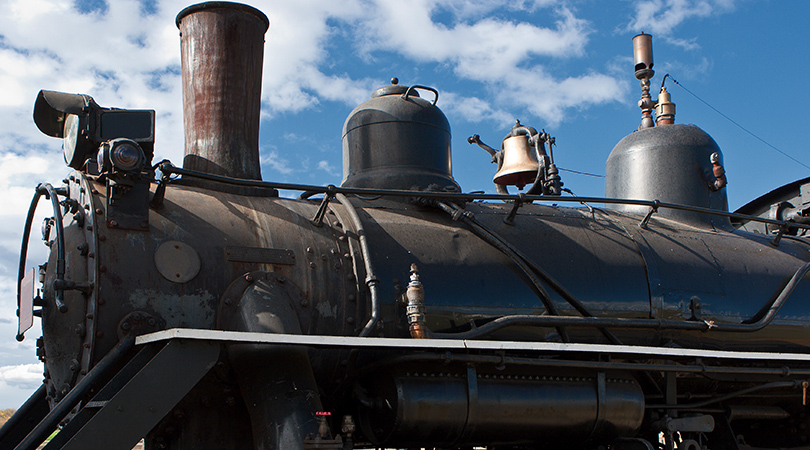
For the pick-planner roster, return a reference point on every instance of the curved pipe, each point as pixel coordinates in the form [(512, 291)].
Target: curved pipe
[(60, 247), (660, 324), (168, 168), (24, 248), (780, 300), (49, 192), (773, 385), (371, 277), (492, 239), (531, 270)]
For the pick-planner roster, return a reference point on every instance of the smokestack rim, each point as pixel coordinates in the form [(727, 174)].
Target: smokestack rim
[(226, 5)]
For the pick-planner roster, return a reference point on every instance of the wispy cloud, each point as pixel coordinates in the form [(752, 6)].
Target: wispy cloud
[(273, 160), (661, 17), (474, 109), (488, 41), (485, 51), (689, 71), (328, 168)]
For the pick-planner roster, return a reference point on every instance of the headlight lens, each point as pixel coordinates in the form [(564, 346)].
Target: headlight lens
[(126, 155), (74, 148), (120, 155)]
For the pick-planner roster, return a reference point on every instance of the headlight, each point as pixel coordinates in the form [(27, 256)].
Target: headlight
[(120, 155), (76, 148), (73, 155), (84, 126)]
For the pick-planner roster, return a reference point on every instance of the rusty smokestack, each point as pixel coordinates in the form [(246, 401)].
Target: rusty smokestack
[(222, 47)]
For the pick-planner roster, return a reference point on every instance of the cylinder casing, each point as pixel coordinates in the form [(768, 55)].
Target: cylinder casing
[(451, 408)]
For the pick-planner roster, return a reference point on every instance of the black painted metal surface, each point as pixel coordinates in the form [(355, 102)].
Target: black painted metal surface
[(669, 163), (397, 140)]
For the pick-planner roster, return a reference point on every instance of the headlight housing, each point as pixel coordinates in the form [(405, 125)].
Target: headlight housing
[(84, 125)]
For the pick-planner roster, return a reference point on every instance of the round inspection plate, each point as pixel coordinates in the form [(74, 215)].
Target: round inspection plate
[(177, 262)]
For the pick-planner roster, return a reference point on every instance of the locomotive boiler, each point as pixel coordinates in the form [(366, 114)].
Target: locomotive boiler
[(195, 308)]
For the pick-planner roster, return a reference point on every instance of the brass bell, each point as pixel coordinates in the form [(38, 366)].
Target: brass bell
[(519, 163)]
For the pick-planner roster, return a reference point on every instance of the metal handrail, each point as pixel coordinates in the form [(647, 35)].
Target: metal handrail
[(50, 193), (168, 168)]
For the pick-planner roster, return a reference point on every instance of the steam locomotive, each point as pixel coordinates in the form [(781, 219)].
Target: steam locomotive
[(195, 308)]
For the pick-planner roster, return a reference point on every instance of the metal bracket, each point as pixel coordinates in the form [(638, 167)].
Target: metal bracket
[(510, 219), (160, 193), (702, 423), (327, 197), (653, 210), (128, 207), (695, 307), (782, 229)]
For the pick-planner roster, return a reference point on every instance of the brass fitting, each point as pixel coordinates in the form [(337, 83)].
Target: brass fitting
[(416, 306), (664, 109)]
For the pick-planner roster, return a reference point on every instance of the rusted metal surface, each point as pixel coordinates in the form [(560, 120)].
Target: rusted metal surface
[(222, 48)]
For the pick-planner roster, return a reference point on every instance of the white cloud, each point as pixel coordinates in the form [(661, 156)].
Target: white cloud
[(132, 65), (474, 109), (25, 376), (487, 45), (295, 48), (661, 17), (17, 383), (545, 97), (328, 168), (276, 162), (466, 9), (128, 64), (503, 55)]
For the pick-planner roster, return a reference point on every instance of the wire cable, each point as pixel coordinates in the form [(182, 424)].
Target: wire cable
[(581, 173), (738, 125)]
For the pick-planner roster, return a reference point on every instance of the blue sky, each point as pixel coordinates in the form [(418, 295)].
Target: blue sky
[(564, 66)]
